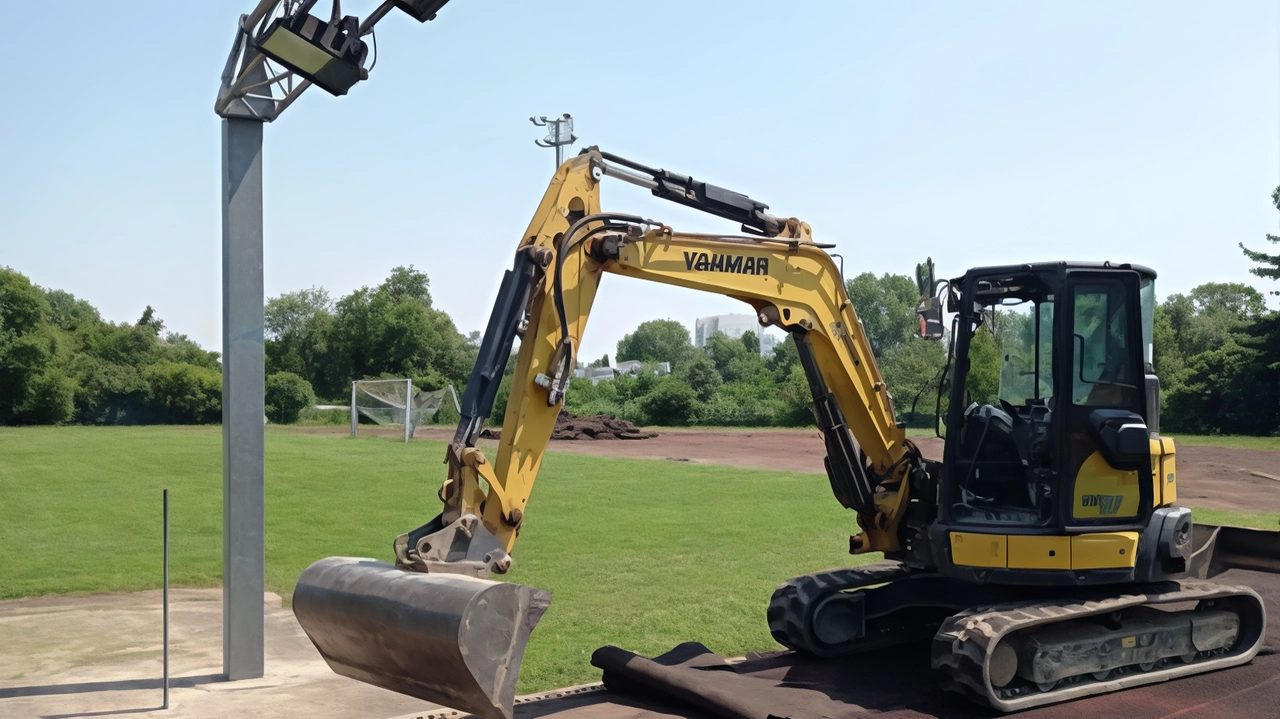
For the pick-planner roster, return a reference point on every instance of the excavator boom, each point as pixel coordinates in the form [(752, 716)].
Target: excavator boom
[(458, 640)]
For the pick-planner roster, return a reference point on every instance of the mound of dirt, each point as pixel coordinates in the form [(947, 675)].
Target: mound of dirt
[(601, 426)]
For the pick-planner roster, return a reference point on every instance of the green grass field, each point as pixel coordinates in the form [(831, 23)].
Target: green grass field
[(1237, 442), (642, 554)]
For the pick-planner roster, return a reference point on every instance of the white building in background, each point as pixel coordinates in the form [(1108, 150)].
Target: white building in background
[(631, 367), (767, 343), (634, 367), (733, 326)]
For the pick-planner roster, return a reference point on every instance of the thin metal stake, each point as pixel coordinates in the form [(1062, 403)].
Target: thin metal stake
[(166, 600)]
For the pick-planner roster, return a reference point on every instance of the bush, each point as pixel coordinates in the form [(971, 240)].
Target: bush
[(448, 414), (727, 410), (656, 341), (797, 400), (1217, 393), (672, 403), (598, 406), (634, 413), (180, 393), (50, 398), (287, 395), (701, 374)]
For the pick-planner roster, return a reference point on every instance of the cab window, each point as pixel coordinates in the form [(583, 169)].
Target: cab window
[(1102, 374)]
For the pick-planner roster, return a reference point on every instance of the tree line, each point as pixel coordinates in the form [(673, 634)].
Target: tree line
[(61, 362), (1216, 349), (389, 331)]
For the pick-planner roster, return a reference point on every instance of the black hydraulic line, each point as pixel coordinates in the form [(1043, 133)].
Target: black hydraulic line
[(567, 241), (845, 469), (495, 348), (920, 392), (942, 380)]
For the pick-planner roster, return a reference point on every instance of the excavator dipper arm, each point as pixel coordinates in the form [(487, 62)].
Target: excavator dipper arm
[(546, 299)]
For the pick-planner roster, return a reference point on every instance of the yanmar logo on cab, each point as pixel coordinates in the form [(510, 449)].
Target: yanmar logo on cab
[(737, 264), (1106, 503)]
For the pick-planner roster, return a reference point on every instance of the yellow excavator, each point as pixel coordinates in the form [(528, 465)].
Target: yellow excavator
[(1044, 554)]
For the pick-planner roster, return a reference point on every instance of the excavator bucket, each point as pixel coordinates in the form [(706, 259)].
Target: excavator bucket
[(447, 638), (1215, 549)]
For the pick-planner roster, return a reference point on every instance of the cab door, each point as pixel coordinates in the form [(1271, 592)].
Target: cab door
[(1107, 481)]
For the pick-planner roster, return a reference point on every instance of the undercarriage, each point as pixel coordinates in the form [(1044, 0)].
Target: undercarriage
[(1013, 647)]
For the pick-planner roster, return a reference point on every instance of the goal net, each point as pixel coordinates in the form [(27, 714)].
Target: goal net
[(396, 402)]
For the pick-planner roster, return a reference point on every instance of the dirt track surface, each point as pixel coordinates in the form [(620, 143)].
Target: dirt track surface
[(1240, 480)]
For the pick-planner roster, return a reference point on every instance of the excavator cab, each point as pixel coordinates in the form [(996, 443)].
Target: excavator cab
[(1049, 423)]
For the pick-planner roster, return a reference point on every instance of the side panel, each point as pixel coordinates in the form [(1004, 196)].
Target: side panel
[(1104, 550), (1101, 550), (1103, 491), (1157, 479), (1039, 552), (1165, 490), (979, 550), (1168, 471)]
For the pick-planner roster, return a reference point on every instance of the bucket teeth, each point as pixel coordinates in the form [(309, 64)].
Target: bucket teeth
[(445, 638)]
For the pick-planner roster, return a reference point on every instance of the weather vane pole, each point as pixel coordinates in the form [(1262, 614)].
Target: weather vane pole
[(559, 135)]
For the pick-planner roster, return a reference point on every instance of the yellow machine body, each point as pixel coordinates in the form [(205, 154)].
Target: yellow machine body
[(1098, 511)]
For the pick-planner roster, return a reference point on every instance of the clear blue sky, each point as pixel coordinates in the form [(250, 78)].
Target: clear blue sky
[(977, 133)]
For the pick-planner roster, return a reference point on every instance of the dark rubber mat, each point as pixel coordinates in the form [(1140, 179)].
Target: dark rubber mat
[(897, 684)]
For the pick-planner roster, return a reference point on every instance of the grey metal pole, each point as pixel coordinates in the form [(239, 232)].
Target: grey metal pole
[(355, 417), (559, 135), (408, 409), (243, 577), (165, 705)]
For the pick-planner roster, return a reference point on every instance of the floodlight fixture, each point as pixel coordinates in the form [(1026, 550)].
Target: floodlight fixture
[(281, 49), (421, 10), (329, 54)]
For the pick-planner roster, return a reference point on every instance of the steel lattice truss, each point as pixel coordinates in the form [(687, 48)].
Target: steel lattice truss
[(255, 87)]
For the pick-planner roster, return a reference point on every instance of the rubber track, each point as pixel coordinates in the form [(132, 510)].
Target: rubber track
[(792, 601), (963, 644)]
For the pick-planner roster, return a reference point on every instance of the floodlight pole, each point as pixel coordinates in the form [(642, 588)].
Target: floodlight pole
[(252, 92), (355, 418), (408, 409), (243, 565)]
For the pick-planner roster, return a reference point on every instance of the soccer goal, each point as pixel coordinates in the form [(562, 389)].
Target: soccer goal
[(395, 402)]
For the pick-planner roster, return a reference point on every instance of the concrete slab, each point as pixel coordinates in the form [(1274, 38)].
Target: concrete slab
[(100, 656)]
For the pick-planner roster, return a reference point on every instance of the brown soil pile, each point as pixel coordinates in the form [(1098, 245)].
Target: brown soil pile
[(601, 426)]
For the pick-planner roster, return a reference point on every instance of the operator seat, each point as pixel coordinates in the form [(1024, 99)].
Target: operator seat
[(991, 463)]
